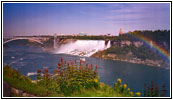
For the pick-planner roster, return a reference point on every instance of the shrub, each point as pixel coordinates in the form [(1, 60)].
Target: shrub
[(123, 88), (70, 76), (153, 90), (16, 80)]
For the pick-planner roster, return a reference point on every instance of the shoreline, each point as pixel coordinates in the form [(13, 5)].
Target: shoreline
[(148, 62)]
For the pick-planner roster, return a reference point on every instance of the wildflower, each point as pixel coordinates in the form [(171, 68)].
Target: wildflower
[(71, 62), (131, 93), (38, 71), (156, 90), (68, 64), (95, 80), (45, 70), (115, 85), (163, 90), (125, 86), (56, 70), (68, 67), (89, 67), (138, 94), (46, 75), (152, 86), (86, 64), (101, 86), (96, 66), (119, 80), (80, 62), (121, 86), (61, 73), (81, 68), (61, 59), (59, 65), (128, 89), (95, 72)]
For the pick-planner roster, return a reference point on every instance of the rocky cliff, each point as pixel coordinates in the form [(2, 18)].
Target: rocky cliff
[(133, 52)]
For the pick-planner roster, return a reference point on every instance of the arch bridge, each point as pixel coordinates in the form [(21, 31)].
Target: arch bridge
[(23, 38)]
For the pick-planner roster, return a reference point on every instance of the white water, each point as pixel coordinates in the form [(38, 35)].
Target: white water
[(83, 47)]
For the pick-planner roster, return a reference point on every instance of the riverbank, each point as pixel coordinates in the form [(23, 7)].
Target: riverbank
[(126, 58), (25, 87)]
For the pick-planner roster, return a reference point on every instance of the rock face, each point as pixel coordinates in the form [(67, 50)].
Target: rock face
[(6, 89), (9, 91), (148, 62), (129, 56), (138, 44)]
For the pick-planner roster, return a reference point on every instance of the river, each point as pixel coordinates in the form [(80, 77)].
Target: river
[(28, 59)]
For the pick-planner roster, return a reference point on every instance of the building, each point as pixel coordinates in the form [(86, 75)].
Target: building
[(121, 31), (82, 34), (55, 34)]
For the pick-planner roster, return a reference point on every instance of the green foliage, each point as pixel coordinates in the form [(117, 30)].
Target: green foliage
[(160, 37), (73, 81), (142, 52), (102, 91), (153, 90), (70, 77), (157, 35), (118, 50), (88, 37), (123, 89), (15, 79)]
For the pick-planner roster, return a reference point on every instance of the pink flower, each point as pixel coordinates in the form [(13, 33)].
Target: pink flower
[(61, 59), (86, 64), (61, 73), (46, 75), (81, 67), (72, 62), (38, 71), (45, 70), (95, 72), (80, 62), (89, 67), (56, 70), (96, 66), (68, 64), (59, 64)]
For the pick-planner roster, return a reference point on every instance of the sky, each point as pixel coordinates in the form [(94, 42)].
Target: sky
[(91, 18)]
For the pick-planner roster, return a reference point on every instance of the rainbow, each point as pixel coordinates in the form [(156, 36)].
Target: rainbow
[(159, 48)]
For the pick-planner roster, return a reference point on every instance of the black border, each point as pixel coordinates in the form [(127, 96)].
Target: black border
[(88, 97)]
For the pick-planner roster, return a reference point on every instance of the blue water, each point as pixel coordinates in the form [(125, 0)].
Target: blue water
[(29, 59)]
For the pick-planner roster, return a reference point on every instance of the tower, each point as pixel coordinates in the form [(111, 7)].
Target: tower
[(54, 44), (121, 31)]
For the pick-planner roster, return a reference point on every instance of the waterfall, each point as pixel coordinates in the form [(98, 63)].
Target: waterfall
[(108, 45), (83, 47)]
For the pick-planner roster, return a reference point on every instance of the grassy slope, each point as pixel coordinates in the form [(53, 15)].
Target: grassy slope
[(105, 91), (24, 83)]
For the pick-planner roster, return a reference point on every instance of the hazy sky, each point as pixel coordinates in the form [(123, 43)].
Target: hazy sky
[(92, 18)]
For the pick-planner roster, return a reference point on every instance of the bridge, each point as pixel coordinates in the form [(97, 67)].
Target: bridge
[(23, 38), (40, 40)]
